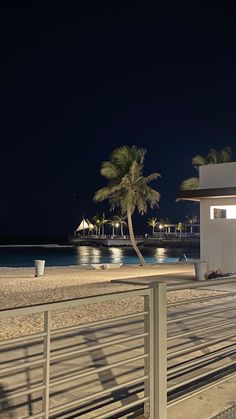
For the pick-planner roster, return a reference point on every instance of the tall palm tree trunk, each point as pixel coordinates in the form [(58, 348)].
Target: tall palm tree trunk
[(103, 224), (132, 238), (121, 229), (153, 228)]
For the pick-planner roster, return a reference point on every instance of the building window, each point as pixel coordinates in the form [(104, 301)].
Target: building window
[(224, 211)]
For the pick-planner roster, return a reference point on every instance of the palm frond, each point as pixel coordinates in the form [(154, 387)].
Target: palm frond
[(226, 155), (109, 170), (152, 222), (190, 184), (213, 156), (153, 198), (152, 177), (106, 192), (198, 160)]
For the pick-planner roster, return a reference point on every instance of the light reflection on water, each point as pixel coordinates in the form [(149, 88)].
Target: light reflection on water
[(160, 252), (85, 255), (161, 255), (116, 254)]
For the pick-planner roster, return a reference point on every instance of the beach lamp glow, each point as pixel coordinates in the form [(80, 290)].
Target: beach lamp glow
[(117, 226)]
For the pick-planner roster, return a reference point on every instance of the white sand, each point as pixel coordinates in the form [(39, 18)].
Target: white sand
[(19, 287)]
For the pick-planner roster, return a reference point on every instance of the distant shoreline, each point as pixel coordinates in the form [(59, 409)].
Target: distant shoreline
[(33, 239), (146, 243), (163, 243), (35, 245), (173, 243)]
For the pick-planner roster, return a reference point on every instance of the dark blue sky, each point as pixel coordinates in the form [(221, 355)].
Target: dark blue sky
[(79, 80)]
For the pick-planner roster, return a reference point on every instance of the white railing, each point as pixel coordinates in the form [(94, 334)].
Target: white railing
[(136, 344), (108, 367), (201, 340)]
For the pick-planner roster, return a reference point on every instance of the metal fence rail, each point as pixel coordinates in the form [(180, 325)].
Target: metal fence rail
[(201, 341), (108, 366)]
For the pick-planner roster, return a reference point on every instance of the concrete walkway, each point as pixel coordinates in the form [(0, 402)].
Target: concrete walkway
[(207, 404)]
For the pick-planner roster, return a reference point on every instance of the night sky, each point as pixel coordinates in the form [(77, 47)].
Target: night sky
[(78, 80)]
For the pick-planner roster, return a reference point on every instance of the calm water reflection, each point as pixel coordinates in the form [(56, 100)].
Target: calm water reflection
[(85, 255)]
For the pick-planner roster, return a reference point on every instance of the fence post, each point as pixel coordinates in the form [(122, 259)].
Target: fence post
[(147, 360), (158, 351), (46, 367)]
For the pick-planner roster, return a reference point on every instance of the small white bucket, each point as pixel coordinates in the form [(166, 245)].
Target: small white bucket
[(39, 267), (200, 270)]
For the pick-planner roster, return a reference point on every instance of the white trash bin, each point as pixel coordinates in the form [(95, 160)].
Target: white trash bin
[(39, 267), (200, 270)]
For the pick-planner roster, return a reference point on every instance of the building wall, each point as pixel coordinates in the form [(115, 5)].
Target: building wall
[(218, 175), (218, 237)]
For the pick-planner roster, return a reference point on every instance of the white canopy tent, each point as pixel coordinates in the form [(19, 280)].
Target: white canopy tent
[(90, 225), (85, 225)]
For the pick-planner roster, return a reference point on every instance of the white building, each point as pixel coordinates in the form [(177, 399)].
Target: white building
[(217, 196)]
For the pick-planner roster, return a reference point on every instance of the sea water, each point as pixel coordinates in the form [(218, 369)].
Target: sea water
[(24, 256)]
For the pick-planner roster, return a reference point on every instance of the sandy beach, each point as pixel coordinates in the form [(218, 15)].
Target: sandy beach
[(20, 288)]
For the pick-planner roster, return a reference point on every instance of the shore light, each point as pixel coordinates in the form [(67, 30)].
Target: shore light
[(117, 225)]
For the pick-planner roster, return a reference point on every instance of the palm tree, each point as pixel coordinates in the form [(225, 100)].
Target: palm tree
[(165, 223), (112, 223), (127, 187), (191, 219), (152, 222), (99, 222), (120, 219), (117, 221), (224, 155), (180, 228), (104, 221)]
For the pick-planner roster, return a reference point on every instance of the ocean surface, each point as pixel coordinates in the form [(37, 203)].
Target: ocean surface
[(24, 256)]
